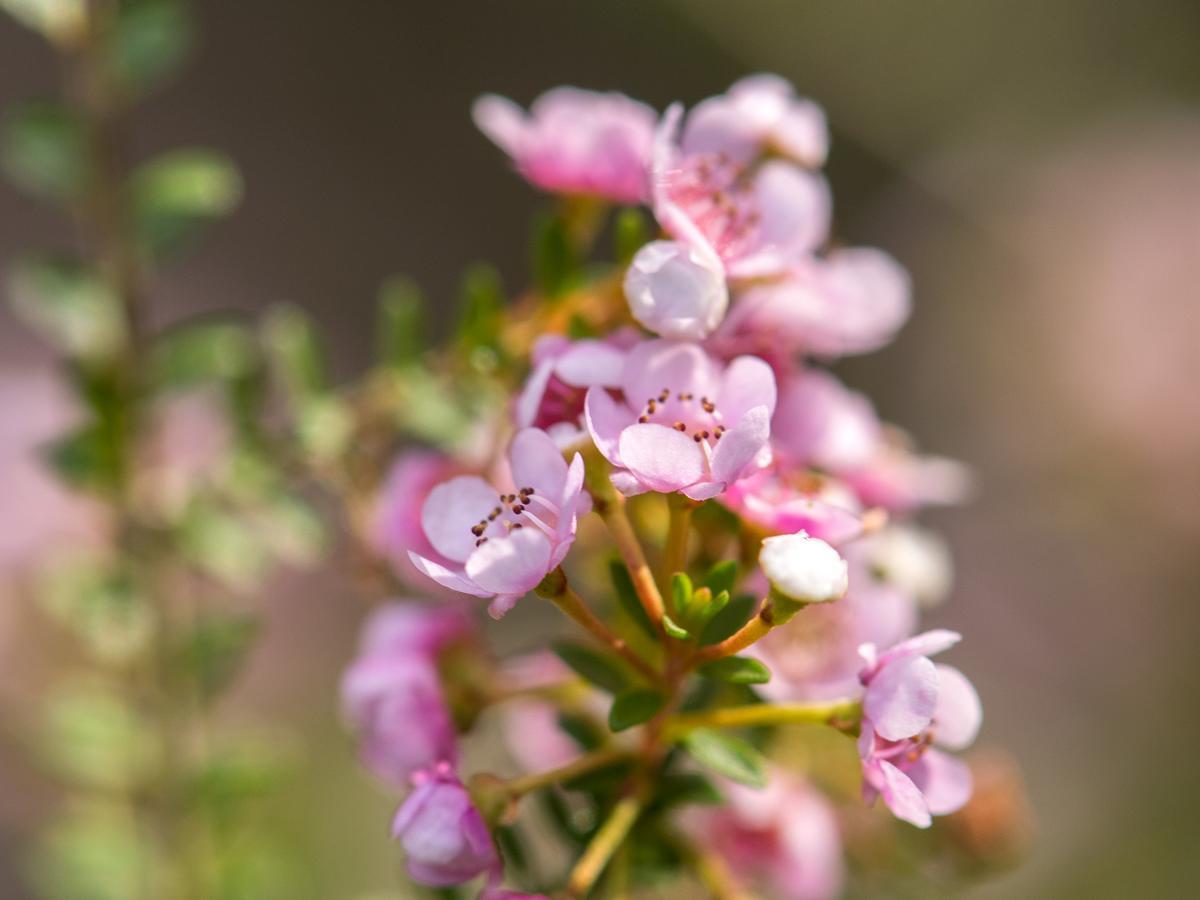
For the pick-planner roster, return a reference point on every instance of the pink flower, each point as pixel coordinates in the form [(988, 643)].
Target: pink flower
[(701, 426), (563, 370), (757, 115), (677, 291), (756, 220), (821, 423), (444, 836), (780, 503), (501, 544), (851, 301), (785, 834), (896, 478), (815, 655), (910, 707), (574, 141), (391, 694), (395, 527)]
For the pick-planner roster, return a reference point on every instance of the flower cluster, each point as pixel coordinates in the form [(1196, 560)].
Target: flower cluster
[(787, 573)]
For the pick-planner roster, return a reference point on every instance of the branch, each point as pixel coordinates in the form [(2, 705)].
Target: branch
[(842, 713)]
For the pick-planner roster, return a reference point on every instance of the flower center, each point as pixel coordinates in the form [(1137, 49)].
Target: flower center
[(514, 511), (686, 413), (714, 192)]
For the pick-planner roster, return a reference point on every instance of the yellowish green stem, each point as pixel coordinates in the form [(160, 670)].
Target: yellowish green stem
[(841, 712), (605, 843), (518, 787)]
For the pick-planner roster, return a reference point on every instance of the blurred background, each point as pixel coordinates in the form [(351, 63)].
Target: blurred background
[(1035, 165)]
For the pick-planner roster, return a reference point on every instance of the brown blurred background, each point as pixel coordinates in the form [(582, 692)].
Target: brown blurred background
[(1035, 164)]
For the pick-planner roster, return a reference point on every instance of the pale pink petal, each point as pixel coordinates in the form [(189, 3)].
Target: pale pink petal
[(451, 509), (537, 462), (445, 577), (655, 365), (590, 363), (511, 565), (959, 713), (748, 382), (794, 209), (606, 418), (739, 445), (903, 797), (945, 780), (927, 643), (623, 481), (532, 393), (901, 698), (502, 603), (661, 458), (502, 121)]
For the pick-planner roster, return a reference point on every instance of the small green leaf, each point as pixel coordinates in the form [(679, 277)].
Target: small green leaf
[(727, 622), (41, 148), (727, 755), (93, 736), (554, 263), (69, 307), (630, 233), (634, 708), (214, 651), (736, 670), (221, 351), (592, 666), (295, 350), (627, 597), (681, 593), (401, 322), (583, 730), (685, 788), (674, 629), (722, 577), (86, 458), (151, 39), (179, 192)]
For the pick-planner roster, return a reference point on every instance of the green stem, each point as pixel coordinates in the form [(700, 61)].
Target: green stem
[(844, 713), (610, 506), (604, 844), (518, 787), (750, 633), (678, 532)]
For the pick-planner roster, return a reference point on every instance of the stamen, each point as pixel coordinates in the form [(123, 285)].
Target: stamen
[(679, 426)]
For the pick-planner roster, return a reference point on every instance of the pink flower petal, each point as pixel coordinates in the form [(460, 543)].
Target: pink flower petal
[(704, 490), (794, 209), (739, 445), (606, 419), (901, 698), (451, 509), (538, 463), (959, 712), (748, 382), (590, 363), (927, 643), (530, 398), (502, 121), (623, 481), (445, 577), (661, 458), (903, 797), (511, 565), (655, 365), (945, 781)]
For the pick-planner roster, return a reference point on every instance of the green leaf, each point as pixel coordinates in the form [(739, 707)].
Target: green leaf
[(681, 594), (627, 597), (727, 622), (634, 708), (69, 307), (671, 627), (85, 459), (736, 670), (176, 194), (583, 730), (225, 545), (401, 323), (482, 304), (592, 666), (685, 788), (296, 354), (41, 148), (92, 736), (722, 577), (197, 352), (554, 263), (95, 852), (243, 768), (727, 755), (213, 653), (150, 41), (630, 232)]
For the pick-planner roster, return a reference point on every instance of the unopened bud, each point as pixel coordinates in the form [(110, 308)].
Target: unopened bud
[(802, 570)]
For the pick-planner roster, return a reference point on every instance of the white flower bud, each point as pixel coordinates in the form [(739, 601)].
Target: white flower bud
[(914, 560), (676, 291), (803, 569)]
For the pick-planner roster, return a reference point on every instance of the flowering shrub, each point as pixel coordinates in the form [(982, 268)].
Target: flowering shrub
[(646, 440)]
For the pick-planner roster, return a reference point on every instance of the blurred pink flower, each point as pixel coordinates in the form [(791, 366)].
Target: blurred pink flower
[(756, 221), (779, 504), (785, 834), (563, 370), (701, 427), (443, 835), (758, 115), (533, 736), (851, 301), (574, 141), (499, 544), (898, 479), (911, 706), (395, 527), (676, 290), (821, 423)]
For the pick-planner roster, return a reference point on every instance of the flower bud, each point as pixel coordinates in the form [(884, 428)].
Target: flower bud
[(676, 291), (802, 569)]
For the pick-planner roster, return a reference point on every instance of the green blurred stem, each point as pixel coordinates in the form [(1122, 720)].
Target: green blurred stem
[(605, 843), (554, 587), (843, 713), (518, 787), (678, 531)]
